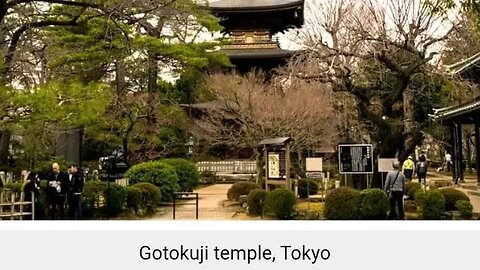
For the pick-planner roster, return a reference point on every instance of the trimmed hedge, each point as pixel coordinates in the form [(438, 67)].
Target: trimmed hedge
[(451, 196), (188, 176), (343, 203), (307, 187), (256, 201), (240, 188), (374, 204), (411, 188), (115, 199), (280, 203), (134, 198), (159, 174), (432, 205), (151, 196), (465, 208), (92, 196)]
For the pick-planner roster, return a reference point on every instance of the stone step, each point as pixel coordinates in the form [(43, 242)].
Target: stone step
[(474, 193), (469, 187)]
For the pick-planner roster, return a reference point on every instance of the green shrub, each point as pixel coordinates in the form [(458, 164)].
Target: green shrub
[(451, 196), (256, 201), (151, 196), (240, 188), (433, 205), (307, 187), (419, 197), (115, 198), (411, 188), (465, 208), (15, 187), (374, 204), (343, 203), (279, 203), (134, 198), (188, 176), (93, 196), (158, 173)]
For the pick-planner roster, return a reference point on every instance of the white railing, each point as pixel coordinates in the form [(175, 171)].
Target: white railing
[(233, 166)]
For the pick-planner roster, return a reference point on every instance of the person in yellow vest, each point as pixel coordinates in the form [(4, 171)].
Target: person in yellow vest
[(407, 168)]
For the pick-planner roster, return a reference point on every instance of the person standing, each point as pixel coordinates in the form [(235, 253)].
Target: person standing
[(56, 190), (421, 170), (74, 192), (395, 189), (407, 168), (448, 160), (31, 190)]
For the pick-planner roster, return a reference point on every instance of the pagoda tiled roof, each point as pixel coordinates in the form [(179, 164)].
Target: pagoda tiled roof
[(252, 5)]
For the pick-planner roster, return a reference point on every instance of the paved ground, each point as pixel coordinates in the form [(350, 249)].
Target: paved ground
[(210, 206)]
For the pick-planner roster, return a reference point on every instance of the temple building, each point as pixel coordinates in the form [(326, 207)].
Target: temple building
[(467, 113), (252, 26)]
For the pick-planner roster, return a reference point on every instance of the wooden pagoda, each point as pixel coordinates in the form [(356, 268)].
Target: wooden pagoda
[(252, 25)]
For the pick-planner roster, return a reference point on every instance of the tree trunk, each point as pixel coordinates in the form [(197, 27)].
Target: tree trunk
[(152, 72), (4, 145), (301, 170), (408, 124), (120, 75), (125, 149), (258, 165)]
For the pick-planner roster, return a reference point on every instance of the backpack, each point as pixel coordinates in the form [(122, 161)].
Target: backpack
[(422, 167)]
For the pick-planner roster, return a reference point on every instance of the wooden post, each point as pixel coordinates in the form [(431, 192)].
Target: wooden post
[(1, 204), (12, 208), (457, 152), (477, 149), (33, 205), (460, 152), (22, 198), (287, 166), (453, 152), (265, 153)]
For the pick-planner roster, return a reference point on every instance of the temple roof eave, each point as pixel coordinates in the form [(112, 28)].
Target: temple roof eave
[(255, 5)]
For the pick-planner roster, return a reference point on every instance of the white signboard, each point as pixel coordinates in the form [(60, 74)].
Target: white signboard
[(314, 164), (386, 164), (273, 165)]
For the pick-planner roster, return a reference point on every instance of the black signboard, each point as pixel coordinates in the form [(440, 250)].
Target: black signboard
[(355, 158)]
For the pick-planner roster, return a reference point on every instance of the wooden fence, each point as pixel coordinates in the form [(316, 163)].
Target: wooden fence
[(14, 206), (233, 166)]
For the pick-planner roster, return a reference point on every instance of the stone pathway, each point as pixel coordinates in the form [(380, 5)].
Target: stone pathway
[(210, 206)]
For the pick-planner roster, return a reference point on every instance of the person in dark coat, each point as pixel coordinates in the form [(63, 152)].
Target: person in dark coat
[(421, 170), (56, 190), (31, 187), (74, 192)]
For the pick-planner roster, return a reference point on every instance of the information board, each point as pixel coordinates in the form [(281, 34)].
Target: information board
[(386, 164), (355, 158), (276, 165)]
